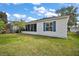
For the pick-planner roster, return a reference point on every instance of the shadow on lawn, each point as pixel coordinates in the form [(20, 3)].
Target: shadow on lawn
[(75, 35), (40, 36)]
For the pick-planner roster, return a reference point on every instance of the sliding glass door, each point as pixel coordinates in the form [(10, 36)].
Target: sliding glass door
[(31, 27)]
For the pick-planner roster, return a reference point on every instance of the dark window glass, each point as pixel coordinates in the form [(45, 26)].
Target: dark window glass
[(54, 28), (35, 29), (31, 27), (44, 27), (28, 27), (51, 26)]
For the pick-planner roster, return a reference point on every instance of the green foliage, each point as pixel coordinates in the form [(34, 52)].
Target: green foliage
[(20, 23), (72, 12), (2, 25), (3, 16)]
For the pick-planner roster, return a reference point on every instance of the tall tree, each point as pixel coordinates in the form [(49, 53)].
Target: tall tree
[(3, 16), (72, 12)]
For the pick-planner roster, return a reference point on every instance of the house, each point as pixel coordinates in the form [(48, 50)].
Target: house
[(12, 28), (75, 28), (52, 26)]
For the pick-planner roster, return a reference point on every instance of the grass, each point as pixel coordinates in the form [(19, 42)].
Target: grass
[(20, 44)]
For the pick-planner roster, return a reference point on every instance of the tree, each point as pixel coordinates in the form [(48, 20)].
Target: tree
[(3, 17), (2, 26), (72, 12), (21, 24)]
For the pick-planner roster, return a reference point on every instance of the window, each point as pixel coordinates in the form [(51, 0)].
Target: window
[(31, 27), (50, 26)]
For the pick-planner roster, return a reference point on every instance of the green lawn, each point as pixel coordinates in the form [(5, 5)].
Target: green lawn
[(20, 44)]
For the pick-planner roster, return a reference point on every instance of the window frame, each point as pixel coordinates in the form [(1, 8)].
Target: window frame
[(31, 27), (49, 26)]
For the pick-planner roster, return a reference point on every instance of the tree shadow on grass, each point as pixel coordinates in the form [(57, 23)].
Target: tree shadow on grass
[(40, 36)]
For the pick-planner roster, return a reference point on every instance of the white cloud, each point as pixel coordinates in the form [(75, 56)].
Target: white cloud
[(39, 14), (46, 12), (40, 9), (50, 14), (19, 15), (8, 15), (31, 18), (52, 10)]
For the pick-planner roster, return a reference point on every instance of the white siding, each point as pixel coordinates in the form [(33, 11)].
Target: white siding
[(61, 29)]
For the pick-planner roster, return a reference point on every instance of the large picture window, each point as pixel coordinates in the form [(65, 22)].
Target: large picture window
[(49, 26), (31, 27)]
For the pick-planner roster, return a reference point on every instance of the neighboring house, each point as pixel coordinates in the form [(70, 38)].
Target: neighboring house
[(75, 28), (52, 26), (13, 28)]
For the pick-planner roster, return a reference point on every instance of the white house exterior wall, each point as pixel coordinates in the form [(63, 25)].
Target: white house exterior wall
[(61, 29)]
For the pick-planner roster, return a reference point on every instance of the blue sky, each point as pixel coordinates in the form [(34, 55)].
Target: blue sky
[(32, 11)]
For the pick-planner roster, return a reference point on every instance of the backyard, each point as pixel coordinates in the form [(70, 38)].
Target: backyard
[(21, 44)]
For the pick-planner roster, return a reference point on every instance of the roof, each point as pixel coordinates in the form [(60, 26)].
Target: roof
[(48, 19)]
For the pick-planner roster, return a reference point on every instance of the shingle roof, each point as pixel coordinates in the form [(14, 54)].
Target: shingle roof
[(49, 18)]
